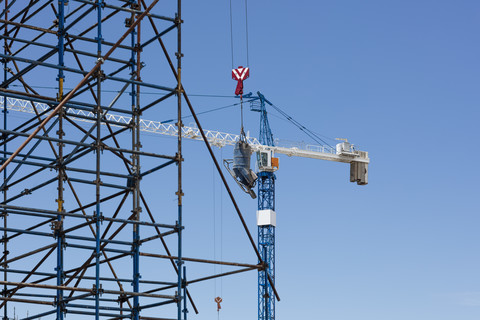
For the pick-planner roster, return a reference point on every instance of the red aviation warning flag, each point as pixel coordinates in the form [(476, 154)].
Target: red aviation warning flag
[(240, 74)]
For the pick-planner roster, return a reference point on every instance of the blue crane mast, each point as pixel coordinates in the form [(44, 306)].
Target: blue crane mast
[(266, 211), (265, 178)]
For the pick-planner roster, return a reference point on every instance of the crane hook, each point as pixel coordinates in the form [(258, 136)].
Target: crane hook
[(218, 300), (240, 74)]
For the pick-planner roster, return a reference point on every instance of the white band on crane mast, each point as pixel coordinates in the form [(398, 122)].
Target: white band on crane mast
[(266, 217)]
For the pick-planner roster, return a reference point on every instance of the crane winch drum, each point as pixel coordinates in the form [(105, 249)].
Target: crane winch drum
[(240, 171)]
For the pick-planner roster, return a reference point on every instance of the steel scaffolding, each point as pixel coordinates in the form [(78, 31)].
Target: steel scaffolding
[(74, 212), (82, 234)]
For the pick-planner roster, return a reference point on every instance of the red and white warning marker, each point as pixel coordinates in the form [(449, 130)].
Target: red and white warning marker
[(240, 74)]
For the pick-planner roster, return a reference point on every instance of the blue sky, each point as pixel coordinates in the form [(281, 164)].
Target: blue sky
[(397, 78)]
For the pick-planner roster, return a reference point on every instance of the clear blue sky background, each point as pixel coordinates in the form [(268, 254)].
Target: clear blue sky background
[(397, 78)]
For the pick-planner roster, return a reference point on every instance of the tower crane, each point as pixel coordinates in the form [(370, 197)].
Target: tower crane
[(266, 217), (265, 147)]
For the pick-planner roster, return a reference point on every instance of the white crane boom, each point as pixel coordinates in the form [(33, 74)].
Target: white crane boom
[(344, 152)]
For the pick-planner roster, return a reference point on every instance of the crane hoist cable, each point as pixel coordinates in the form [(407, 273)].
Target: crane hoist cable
[(246, 28), (221, 231), (231, 31), (241, 73), (217, 298), (246, 32)]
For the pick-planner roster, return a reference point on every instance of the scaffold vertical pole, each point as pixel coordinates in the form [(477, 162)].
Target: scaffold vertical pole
[(4, 190), (70, 151), (60, 220), (184, 284), (178, 21), (135, 42), (98, 143)]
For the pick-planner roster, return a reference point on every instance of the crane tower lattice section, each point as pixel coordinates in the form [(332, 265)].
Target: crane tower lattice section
[(266, 229)]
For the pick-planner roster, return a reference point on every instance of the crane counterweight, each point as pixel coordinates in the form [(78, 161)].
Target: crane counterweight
[(358, 164), (359, 170)]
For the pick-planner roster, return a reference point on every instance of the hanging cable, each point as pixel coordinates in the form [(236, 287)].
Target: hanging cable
[(242, 132), (318, 134), (231, 31), (214, 234), (217, 298), (221, 231), (143, 93), (206, 111), (246, 32), (246, 29), (241, 73), (307, 131), (214, 227)]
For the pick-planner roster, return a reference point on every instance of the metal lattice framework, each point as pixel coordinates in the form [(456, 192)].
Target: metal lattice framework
[(78, 225), (344, 152), (215, 138), (81, 234), (70, 220), (266, 233)]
